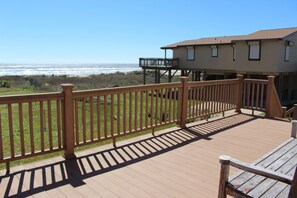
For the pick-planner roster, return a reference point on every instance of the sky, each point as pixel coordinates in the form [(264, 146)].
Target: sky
[(122, 31)]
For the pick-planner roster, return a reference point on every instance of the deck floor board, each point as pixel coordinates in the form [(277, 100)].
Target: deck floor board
[(173, 163)]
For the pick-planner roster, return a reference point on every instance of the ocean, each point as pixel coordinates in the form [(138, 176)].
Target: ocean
[(64, 69)]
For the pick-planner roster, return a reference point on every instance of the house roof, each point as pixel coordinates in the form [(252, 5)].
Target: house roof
[(259, 35)]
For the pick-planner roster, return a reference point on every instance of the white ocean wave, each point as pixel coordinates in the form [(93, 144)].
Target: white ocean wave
[(64, 69)]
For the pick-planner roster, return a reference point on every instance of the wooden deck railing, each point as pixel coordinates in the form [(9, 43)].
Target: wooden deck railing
[(211, 97), (30, 125), (110, 113), (158, 62), (254, 93), (37, 124)]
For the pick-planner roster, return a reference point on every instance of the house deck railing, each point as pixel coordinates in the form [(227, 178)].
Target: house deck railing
[(38, 124), (158, 63)]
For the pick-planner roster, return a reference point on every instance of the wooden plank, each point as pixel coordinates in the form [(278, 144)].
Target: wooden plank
[(118, 114), (112, 115), (84, 120), (49, 120), (21, 121), (41, 123), (272, 187), (98, 118), (248, 182), (31, 128), (58, 106), (105, 116), (92, 118)]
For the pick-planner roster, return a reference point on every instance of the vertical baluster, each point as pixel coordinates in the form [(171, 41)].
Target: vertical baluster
[(257, 96), (213, 99), (92, 118), (146, 108), (50, 131), (202, 110), (58, 122), (262, 95), (135, 110), (105, 116), (221, 98), (10, 120), (41, 125), (156, 107), (152, 104), (31, 128), (119, 114), (196, 101), (161, 107), (76, 122), (112, 115), (174, 113), (200, 95), (189, 108), (21, 121), (170, 104), (124, 113), (98, 118), (141, 110), (253, 94), (130, 111), (207, 99), (244, 94), (218, 97), (166, 104), (84, 122), (248, 95)]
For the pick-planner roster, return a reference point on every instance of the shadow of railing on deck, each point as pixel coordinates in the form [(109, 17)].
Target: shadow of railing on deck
[(32, 181)]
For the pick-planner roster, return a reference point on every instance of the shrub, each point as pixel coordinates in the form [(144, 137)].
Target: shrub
[(4, 84)]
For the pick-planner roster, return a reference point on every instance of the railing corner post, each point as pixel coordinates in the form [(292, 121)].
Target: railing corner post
[(284, 111), (270, 85), (68, 118), (239, 93), (183, 101)]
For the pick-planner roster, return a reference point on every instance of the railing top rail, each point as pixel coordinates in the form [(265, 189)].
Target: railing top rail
[(212, 82), (10, 99), (127, 89), (256, 80), (158, 59)]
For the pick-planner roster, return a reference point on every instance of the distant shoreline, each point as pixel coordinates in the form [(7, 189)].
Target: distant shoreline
[(65, 69)]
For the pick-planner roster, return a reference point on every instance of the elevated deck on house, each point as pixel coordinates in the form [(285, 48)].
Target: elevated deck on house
[(174, 163)]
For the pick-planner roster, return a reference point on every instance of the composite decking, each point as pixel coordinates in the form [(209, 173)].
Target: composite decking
[(174, 163)]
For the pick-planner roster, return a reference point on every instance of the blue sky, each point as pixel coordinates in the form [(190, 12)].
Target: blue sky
[(114, 31)]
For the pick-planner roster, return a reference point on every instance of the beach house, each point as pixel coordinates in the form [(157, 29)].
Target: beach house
[(256, 55)]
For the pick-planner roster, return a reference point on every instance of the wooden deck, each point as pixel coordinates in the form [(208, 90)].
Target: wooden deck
[(174, 163)]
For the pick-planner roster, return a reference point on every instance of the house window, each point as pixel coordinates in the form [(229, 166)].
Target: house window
[(287, 53), (254, 50), (191, 53), (234, 52), (214, 51)]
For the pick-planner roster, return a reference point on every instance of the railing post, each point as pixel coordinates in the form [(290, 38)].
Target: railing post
[(294, 128), (295, 112), (183, 101), (224, 175), (239, 93), (270, 85), (68, 117)]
